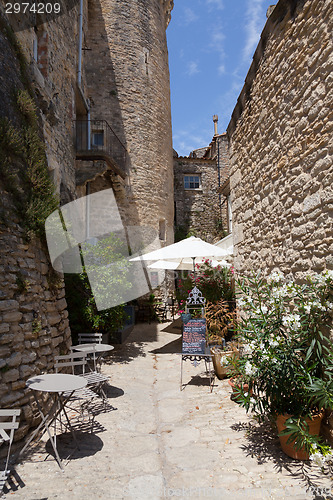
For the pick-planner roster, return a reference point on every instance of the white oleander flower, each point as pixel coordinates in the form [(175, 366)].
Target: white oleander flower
[(249, 369), (273, 343), (320, 278), (318, 459), (264, 309), (328, 274), (329, 306), (276, 277), (224, 361), (307, 308), (291, 321)]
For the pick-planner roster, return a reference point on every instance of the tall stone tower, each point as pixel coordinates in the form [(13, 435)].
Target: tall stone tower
[(126, 64)]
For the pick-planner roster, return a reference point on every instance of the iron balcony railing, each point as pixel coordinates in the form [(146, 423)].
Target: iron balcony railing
[(95, 140)]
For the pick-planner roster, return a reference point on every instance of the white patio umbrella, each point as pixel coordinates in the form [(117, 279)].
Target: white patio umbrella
[(189, 248), (184, 264)]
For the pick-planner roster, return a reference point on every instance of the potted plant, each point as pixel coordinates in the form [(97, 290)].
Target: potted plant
[(220, 329), (239, 381), (288, 356)]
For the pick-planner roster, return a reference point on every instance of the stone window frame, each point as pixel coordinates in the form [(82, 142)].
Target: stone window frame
[(188, 188)]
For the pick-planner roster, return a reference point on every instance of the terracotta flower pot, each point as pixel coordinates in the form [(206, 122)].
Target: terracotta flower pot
[(289, 449), (234, 386)]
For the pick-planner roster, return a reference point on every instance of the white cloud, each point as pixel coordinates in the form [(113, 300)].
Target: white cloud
[(189, 16), (217, 44), (192, 68), (185, 141), (227, 101), (254, 26), (216, 4)]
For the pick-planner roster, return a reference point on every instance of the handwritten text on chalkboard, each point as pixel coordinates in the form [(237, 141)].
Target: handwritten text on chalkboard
[(194, 337)]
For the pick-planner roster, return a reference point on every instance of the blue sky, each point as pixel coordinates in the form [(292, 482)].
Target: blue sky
[(211, 44)]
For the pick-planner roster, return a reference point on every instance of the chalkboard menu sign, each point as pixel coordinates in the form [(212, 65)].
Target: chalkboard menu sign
[(194, 336)]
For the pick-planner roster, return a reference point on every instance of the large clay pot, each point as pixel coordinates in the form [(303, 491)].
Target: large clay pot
[(289, 449), (221, 371)]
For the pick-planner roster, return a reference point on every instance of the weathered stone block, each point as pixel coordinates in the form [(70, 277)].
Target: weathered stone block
[(8, 305), (311, 202), (14, 360), (12, 317), (11, 375), (26, 371), (54, 318)]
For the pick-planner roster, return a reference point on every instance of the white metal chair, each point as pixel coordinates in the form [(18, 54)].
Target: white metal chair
[(88, 338), (9, 423), (77, 361)]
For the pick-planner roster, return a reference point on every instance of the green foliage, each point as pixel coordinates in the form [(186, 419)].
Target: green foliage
[(24, 169), (36, 326), (215, 283), (83, 312), (221, 321), (22, 283), (287, 356)]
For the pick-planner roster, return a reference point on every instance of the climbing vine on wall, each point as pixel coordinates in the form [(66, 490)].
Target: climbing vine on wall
[(23, 167)]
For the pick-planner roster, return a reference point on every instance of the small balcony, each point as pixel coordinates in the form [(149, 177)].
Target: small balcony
[(95, 140)]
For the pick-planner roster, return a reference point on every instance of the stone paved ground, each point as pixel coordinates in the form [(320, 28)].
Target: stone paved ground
[(159, 442)]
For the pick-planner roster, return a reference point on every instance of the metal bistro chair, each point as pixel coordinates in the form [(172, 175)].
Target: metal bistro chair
[(78, 362), (9, 423), (89, 339)]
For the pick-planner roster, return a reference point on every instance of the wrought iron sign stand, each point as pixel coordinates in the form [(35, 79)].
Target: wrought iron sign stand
[(196, 351)]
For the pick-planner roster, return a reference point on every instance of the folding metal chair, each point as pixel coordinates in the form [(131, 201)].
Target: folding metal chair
[(9, 423), (87, 338), (78, 363)]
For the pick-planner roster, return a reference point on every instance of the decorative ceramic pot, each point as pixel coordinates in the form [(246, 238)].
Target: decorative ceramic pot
[(288, 448)]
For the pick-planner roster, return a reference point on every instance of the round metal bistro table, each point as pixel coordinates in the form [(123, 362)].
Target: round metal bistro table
[(61, 386), (94, 350)]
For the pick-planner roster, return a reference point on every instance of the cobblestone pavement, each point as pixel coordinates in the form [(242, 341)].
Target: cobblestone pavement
[(158, 442)]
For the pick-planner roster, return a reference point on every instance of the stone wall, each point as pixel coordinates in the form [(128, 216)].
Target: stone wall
[(197, 210), (281, 145), (128, 74), (203, 211), (33, 319), (133, 95)]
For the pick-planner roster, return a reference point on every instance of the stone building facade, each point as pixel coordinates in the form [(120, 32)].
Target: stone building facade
[(200, 207), (110, 86), (280, 138)]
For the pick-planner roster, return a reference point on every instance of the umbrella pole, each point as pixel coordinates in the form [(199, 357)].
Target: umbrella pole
[(193, 258)]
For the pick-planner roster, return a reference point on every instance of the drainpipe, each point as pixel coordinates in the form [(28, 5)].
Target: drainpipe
[(88, 129), (79, 72), (87, 210), (215, 120)]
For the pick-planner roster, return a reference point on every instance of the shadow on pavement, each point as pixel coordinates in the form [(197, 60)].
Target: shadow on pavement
[(133, 347), (89, 444), (171, 348), (264, 445)]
